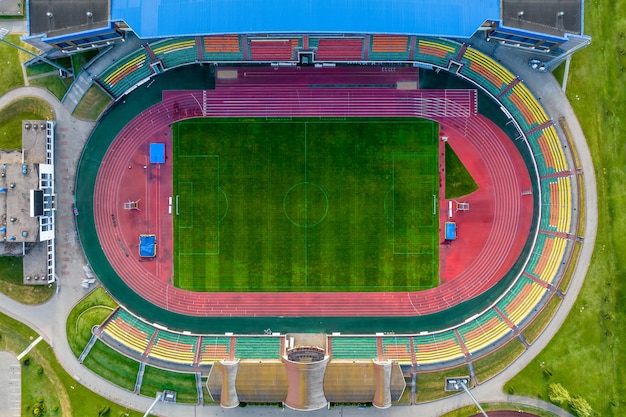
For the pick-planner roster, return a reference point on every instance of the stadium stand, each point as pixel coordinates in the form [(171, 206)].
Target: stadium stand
[(436, 51), (175, 52), (485, 71), (174, 347), (222, 48), (523, 104), (520, 300), (127, 72), (273, 49), (389, 48), (398, 348), (337, 49), (129, 331), (556, 203), (257, 347), (483, 331), (548, 151), (437, 347), (354, 347), (214, 348), (547, 257)]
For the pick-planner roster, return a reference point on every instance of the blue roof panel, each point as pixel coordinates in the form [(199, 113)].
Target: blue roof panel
[(164, 18)]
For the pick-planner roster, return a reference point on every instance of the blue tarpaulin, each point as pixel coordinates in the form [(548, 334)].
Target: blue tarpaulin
[(157, 153), (450, 230), (147, 246)]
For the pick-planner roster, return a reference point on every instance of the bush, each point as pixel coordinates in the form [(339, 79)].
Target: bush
[(581, 407), (39, 369), (558, 394), (104, 411)]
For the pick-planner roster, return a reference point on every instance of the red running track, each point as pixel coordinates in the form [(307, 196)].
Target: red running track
[(499, 215)]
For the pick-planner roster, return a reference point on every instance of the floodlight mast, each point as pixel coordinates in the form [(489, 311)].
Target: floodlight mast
[(3, 34), (156, 400), (461, 384)]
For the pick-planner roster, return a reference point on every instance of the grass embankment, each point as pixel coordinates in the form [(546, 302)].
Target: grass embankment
[(50, 383), (11, 283), (156, 380), (11, 116), (459, 182), (586, 354), (91, 311), (497, 361), (92, 104), (431, 386), (10, 70)]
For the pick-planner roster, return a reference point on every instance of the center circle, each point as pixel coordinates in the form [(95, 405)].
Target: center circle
[(305, 204)]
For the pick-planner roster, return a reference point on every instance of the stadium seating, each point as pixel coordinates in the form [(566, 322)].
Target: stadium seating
[(437, 347), (398, 348), (436, 51), (521, 299), (174, 347), (524, 106), (548, 151), (337, 49), (129, 331), (483, 331), (485, 71), (556, 203), (176, 52), (273, 49), (547, 257), (222, 48), (353, 347), (214, 348), (127, 72), (389, 48), (257, 347)]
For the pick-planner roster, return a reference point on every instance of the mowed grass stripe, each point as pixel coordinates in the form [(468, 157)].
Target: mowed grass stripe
[(307, 204)]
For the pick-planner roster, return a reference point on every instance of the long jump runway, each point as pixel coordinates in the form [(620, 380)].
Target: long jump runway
[(494, 231)]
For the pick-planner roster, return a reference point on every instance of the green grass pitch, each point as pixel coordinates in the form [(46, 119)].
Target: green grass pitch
[(306, 205)]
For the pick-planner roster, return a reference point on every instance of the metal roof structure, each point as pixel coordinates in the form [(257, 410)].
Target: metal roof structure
[(167, 18), (555, 17)]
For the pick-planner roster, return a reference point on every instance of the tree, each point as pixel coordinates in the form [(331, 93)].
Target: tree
[(558, 394), (581, 407)]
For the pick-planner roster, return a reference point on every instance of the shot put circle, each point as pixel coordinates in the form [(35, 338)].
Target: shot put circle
[(305, 204)]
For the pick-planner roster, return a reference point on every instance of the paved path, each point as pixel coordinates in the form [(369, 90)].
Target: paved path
[(49, 319), (11, 383)]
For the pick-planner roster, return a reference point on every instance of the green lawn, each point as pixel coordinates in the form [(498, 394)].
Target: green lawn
[(11, 283), (10, 70), (459, 182), (112, 366), (156, 380), (11, 117), (90, 311), (55, 84), (587, 354), (92, 104), (306, 205), (52, 384)]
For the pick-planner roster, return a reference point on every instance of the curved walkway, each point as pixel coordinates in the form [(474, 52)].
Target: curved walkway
[(49, 319)]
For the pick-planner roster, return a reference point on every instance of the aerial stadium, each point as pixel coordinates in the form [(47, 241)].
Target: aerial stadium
[(268, 196)]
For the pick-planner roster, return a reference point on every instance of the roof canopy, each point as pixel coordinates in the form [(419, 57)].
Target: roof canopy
[(165, 18)]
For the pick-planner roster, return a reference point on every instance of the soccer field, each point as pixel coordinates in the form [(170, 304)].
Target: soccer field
[(306, 205)]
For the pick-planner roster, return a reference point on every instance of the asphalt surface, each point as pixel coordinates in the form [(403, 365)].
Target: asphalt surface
[(49, 319)]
